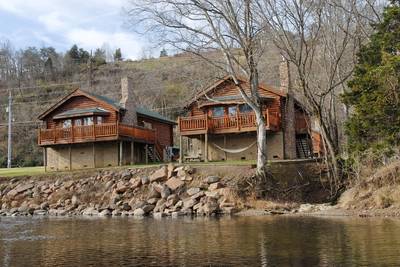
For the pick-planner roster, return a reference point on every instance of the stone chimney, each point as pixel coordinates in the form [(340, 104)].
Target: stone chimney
[(284, 75), (128, 101)]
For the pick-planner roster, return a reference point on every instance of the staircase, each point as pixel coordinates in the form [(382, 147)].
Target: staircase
[(153, 157), (303, 148)]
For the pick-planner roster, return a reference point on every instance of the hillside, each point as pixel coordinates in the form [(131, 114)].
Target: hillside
[(162, 84)]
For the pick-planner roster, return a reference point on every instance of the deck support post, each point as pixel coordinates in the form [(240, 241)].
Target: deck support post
[(146, 149), (120, 153), (70, 157), (132, 152), (94, 154), (45, 158), (180, 149), (226, 154), (206, 147)]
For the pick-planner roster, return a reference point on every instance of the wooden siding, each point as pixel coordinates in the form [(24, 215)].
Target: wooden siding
[(163, 130), (78, 102)]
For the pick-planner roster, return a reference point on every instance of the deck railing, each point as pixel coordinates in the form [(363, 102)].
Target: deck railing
[(238, 122), (106, 131)]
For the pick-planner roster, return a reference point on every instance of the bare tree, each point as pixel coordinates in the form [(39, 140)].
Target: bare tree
[(320, 39), (229, 29)]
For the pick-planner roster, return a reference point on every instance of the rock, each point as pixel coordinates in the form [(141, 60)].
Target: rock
[(121, 188), (153, 193), (44, 206), (198, 195), (170, 170), (138, 212), (181, 173), (58, 212), (137, 182), (145, 180), (160, 206), (136, 204), (115, 198), (116, 213), (192, 191), (189, 203), (19, 189), (172, 200), (212, 179), (74, 200), (197, 206), (40, 212), (152, 201), (109, 184), (165, 192), (228, 210), (126, 175), (213, 194), (215, 186), (158, 215), (148, 208), (178, 205), (210, 207), (174, 183), (105, 212), (90, 211), (126, 207), (160, 174)]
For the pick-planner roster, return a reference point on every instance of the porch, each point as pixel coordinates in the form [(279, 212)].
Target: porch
[(241, 122)]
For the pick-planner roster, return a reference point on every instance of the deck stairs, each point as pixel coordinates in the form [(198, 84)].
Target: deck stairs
[(303, 148)]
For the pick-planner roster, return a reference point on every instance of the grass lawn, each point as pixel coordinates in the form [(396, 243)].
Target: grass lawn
[(4, 172)]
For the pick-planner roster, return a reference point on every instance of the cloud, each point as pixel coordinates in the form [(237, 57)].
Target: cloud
[(60, 23)]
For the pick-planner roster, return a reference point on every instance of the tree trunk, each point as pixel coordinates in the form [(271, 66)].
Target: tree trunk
[(261, 144), (289, 129)]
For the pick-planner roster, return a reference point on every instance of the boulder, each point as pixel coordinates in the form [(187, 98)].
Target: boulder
[(121, 188), (172, 200), (159, 174), (105, 212), (19, 189), (74, 200), (158, 215), (126, 207), (44, 206), (178, 205), (170, 169), (176, 214), (212, 179), (90, 211), (126, 175), (116, 213), (215, 186), (192, 191), (152, 201), (137, 182), (138, 212), (147, 208), (174, 183), (189, 203), (153, 193), (136, 204), (198, 195), (165, 192), (145, 180)]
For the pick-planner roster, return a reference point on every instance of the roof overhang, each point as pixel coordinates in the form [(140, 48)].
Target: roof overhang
[(74, 113)]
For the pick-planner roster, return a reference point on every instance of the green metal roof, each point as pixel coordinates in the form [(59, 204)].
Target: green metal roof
[(80, 112), (108, 100), (153, 114)]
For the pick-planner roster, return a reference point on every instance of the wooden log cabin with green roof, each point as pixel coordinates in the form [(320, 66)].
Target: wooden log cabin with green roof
[(85, 130), (218, 125)]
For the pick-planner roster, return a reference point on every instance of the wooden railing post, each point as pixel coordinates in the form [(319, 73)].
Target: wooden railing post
[(94, 131), (206, 123), (55, 134), (238, 119)]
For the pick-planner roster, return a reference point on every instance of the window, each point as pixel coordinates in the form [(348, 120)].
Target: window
[(232, 110), (99, 120), (67, 123), (245, 108), (88, 121), (218, 111), (77, 122), (147, 125)]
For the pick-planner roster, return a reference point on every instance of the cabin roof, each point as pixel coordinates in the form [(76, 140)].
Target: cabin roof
[(78, 112), (152, 114), (267, 88)]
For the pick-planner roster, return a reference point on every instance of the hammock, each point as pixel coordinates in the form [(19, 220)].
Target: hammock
[(235, 151)]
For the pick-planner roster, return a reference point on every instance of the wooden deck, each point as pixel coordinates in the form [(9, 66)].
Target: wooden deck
[(92, 133), (241, 122)]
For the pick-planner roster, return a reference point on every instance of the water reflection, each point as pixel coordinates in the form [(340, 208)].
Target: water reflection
[(252, 241)]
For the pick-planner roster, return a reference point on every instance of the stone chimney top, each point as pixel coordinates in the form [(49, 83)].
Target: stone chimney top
[(284, 75), (128, 101)]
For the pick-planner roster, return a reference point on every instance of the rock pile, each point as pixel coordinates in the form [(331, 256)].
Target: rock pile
[(166, 191)]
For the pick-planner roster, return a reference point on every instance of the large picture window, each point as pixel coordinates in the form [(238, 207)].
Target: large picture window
[(67, 123), (88, 121), (232, 110), (244, 108), (99, 120), (218, 111)]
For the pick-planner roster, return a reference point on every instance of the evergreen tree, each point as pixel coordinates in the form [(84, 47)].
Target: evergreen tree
[(375, 88), (99, 57), (73, 53), (118, 55), (163, 53)]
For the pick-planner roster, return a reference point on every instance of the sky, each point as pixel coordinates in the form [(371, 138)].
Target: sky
[(62, 23)]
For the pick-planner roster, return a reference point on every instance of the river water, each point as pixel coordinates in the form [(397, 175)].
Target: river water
[(244, 241)]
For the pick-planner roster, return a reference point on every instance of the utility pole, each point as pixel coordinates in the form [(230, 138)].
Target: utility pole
[(9, 153)]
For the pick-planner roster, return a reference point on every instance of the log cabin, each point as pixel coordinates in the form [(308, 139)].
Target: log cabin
[(86, 130), (218, 125)]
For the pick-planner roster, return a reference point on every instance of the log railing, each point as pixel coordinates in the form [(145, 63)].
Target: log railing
[(239, 122), (88, 133)]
